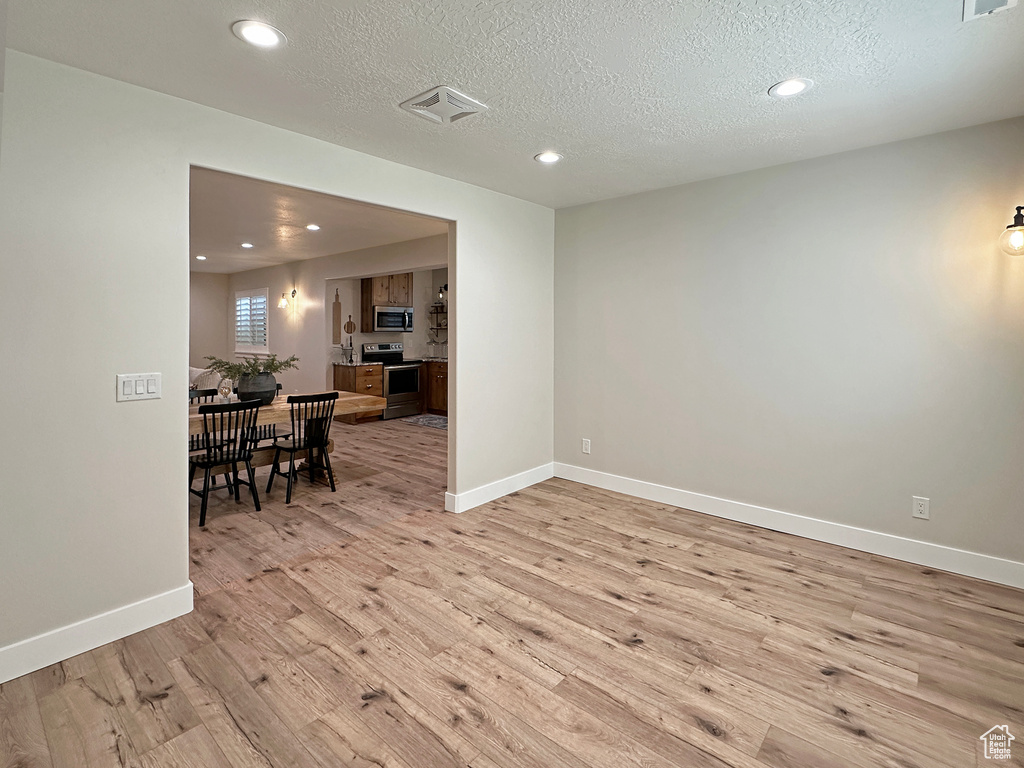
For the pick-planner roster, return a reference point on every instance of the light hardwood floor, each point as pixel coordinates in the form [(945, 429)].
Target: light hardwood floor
[(560, 627)]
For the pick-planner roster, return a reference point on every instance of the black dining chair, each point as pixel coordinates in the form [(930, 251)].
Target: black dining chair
[(227, 439), (201, 396), (198, 442), (311, 417), (272, 432)]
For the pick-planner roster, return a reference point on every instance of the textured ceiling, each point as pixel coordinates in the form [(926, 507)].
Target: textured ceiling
[(226, 210), (637, 94)]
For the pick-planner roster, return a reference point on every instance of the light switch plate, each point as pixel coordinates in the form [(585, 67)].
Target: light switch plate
[(138, 386)]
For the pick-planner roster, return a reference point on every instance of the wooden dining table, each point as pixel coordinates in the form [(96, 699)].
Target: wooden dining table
[(278, 411)]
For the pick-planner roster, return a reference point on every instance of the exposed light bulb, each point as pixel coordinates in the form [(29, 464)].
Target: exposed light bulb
[(313, 227), (1012, 239), (283, 303), (200, 258), (247, 245), (1015, 243)]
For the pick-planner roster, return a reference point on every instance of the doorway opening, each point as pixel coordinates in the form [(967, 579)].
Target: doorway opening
[(360, 295)]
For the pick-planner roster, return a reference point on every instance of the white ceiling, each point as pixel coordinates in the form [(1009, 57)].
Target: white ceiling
[(226, 210), (637, 94)]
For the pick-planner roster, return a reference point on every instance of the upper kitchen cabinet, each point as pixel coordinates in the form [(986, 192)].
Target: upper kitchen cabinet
[(377, 291), (384, 291), (400, 289)]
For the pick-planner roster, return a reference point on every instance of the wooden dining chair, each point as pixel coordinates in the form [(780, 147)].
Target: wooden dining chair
[(311, 417), (227, 440)]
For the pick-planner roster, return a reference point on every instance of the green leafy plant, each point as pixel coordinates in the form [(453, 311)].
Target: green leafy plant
[(251, 366)]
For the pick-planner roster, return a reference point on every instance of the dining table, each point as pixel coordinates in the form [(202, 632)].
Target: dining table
[(279, 410)]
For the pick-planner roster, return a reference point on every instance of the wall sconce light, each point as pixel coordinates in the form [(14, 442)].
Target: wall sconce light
[(442, 291), (283, 303), (1012, 239)]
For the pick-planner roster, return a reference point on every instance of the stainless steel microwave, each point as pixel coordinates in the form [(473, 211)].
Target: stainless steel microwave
[(392, 319)]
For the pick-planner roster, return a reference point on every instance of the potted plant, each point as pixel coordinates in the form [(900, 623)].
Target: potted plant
[(253, 376)]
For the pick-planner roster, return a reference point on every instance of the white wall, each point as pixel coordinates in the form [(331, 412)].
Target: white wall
[(826, 338), (94, 202), (3, 53), (304, 329), (209, 318)]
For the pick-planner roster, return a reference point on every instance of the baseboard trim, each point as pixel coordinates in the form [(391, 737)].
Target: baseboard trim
[(474, 498), (987, 567), (59, 644)]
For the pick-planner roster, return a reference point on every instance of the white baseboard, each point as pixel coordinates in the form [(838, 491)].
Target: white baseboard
[(48, 648), (485, 493), (995, 569)]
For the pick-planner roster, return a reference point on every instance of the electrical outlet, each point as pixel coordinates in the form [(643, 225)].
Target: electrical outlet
[(586, 445), (920, 508)]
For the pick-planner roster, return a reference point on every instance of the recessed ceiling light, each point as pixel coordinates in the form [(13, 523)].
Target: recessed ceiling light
[(259, 34), (790, 87), (547, 157), (200, 258), (247, 245), (313, 227)]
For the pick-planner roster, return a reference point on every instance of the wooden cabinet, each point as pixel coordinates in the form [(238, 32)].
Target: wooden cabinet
[(400, 289), (384, 291), (380, 290), (437, 387), (365, 379)]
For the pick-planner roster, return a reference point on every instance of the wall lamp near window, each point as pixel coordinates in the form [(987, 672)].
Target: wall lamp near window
[(283, 303), (1012, 239)]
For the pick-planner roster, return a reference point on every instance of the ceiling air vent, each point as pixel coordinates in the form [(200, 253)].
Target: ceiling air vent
[(445, 105), (976, 9)]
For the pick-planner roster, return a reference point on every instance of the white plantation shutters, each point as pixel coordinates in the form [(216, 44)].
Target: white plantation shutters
[(251, 321)]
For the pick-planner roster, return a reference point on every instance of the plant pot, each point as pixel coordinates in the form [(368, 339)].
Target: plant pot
[(262, 387)]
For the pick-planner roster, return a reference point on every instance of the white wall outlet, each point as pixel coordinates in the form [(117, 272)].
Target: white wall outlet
[(586, 445), (138, 386), (920, 509)]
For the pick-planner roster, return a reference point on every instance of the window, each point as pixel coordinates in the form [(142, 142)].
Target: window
[(251, 322)]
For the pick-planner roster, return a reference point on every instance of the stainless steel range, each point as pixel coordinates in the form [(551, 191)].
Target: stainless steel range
[(401, 378)]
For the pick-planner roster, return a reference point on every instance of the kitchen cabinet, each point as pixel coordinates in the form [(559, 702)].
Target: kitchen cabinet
[(437, 387), (400, 289), (365, 379), (384, 291), (380, 289)]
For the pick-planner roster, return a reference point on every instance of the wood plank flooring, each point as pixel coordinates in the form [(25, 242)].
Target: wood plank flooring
[(560, 626)]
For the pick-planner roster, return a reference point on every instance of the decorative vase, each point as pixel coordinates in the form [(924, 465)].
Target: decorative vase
[(262, 387)]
